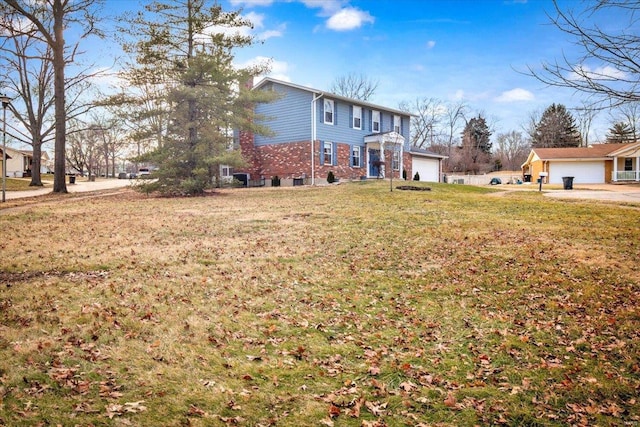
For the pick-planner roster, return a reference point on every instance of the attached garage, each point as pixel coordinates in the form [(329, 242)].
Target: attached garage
[(585, 172), (595, 164), (428, 165)]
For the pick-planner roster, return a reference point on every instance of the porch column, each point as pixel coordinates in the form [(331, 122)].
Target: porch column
[(382, 160), (615, 169), (401, 160), (638, 168)]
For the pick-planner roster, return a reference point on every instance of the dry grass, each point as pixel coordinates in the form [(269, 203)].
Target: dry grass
[(344, 305)]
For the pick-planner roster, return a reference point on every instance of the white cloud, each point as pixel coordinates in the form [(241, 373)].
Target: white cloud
[(257, 19), (431, 44), (348, 19), (599, 73), (459, 95), (279, 69), (250, 3), (329, 7), (278, 32), (515, 95)]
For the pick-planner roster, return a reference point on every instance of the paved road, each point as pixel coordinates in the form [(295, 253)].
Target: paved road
[(80, 186)]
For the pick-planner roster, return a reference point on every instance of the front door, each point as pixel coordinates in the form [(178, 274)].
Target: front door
[(374, 162)]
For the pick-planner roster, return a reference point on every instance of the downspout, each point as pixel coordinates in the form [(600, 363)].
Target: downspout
[(313, 136)]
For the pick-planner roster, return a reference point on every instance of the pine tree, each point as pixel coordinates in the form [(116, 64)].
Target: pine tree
[(476, 146), (620, 133), (186, 49), (556, 128)]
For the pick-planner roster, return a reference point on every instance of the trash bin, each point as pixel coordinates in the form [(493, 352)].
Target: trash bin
[(527, 177), (72, 179), (568, 182)]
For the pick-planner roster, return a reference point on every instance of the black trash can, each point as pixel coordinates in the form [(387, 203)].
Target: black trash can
[(568, 182), (527, 177), (72, 179)]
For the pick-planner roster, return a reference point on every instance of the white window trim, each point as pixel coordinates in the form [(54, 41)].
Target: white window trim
[(357, 116), (355, 157), (333, 111), (395, 162), (374, 121), (329, 153)]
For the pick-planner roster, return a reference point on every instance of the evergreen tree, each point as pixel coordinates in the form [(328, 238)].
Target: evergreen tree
[(477, 135), (475, 155), (186, 49), (620, 133), (556, 128)]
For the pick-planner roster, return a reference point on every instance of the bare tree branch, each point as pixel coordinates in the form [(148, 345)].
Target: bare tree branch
[(608, 67), (356, 86)]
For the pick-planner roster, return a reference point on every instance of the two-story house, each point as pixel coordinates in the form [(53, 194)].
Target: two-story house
[(316, 132)]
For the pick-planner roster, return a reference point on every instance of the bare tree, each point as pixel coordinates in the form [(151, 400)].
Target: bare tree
[(616, 79), (511, 149), (436, 124), (50, 19), (31, 75), (629, 114), (425, 124), (356, 86), (585, 115)]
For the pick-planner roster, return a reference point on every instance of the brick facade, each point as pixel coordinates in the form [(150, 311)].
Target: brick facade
[(293, 160)]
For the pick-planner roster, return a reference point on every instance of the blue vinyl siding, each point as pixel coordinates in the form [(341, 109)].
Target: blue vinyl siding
[(289, 117)]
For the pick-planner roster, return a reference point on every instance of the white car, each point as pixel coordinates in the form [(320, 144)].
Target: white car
[(144, 172)]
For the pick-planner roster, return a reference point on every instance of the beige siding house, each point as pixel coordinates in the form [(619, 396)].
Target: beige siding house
[(596, 164)]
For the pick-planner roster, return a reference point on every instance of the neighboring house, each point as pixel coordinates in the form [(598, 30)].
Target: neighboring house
[(596, 164), (20, 162), (351, 138)]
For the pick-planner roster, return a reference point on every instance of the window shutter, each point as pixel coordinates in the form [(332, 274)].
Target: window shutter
[(335, 113), (321, 110), (321, 153), (370, 120), (334, 153), (350, 116), (350, 156), (362, 156)]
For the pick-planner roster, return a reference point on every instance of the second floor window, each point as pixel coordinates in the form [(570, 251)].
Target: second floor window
[(396, 124), (357, 117), (375, 121), (328, 111)]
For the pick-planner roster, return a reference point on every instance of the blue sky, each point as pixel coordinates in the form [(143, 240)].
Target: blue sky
[(469, 50)]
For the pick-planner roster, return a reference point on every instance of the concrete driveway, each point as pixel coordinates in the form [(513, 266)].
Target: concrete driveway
[(605, 192), (81, 186)]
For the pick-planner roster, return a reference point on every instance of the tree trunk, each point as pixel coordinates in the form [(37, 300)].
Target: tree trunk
[(36, 179), (59, 183)]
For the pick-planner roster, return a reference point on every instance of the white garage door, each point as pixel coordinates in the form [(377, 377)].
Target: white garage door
[(429, 169), (582, 172)]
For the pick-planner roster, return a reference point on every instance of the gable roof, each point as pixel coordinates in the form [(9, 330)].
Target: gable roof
[(326, 94), (421, 152), (595, 151)]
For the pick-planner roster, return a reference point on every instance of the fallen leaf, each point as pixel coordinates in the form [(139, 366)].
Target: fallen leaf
[(450, 401)]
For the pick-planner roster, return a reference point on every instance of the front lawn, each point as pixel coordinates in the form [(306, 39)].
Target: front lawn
[(344, 305)]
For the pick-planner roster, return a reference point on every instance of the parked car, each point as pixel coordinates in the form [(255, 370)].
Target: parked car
[(144, 172), (495, 181)]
